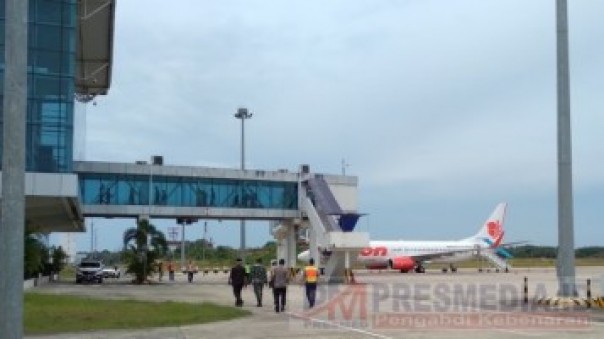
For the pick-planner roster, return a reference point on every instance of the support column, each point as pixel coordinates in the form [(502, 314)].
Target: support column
[(12, 214), (291, 257), (281, 248), (347, 260), (314, 246), (347, 271), (566, 234)]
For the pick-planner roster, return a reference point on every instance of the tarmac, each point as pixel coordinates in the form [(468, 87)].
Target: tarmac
[(466, 304)]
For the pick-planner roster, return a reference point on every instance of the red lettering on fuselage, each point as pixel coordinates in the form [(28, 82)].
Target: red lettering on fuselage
[(379, 251)]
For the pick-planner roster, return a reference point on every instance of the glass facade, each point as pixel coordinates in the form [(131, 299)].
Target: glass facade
[(118, 189), (50, 84)]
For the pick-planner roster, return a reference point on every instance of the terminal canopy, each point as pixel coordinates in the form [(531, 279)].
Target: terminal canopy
[(96, 20)]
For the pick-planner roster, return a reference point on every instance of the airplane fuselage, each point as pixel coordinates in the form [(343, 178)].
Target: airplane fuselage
[(406, 255), (381, 252)]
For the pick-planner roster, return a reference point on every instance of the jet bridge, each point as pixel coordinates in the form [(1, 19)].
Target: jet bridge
[(322, 205)]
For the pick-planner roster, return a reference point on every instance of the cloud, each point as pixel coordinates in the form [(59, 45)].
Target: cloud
[(444, 101)]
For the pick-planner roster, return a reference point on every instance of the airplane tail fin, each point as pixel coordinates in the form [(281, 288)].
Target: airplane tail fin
[(492, 231)]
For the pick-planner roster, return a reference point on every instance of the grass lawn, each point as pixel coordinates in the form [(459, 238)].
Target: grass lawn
[(48, 314)]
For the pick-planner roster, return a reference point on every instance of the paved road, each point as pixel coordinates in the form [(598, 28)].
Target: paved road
[(385, 305)]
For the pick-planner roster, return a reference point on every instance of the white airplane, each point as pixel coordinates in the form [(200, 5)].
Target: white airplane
[(412, 255)]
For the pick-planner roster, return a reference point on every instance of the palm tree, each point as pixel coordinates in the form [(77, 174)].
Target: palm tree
[(143, 245), (58, 259), (36, 254)]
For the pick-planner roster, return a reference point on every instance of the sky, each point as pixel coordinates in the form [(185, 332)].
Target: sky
[(442, 108)]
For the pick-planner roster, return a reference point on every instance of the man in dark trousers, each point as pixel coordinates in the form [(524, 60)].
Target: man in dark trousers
[(238, 280), (280, 279), (258, 279), (311, 275)]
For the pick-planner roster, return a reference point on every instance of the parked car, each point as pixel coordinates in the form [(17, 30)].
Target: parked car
[(111, 272), (89, 271)]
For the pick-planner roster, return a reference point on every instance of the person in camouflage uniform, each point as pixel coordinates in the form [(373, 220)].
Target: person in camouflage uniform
[(258, 279)]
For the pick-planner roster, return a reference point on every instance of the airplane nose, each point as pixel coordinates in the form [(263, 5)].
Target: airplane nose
[(303, 256)]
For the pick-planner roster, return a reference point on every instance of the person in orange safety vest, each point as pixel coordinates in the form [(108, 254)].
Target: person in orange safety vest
[(311, 276)]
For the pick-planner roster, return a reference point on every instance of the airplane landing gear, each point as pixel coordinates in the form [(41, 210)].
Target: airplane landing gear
[(451, 267), (420, 269)]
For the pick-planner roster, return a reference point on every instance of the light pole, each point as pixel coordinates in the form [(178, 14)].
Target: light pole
[(182, 242), (92, 239), (203, 243), (144, 257), (242, 113), (344, 165)]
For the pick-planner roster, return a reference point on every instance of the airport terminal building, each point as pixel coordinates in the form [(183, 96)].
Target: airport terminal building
[(69, 59), (70, 48)]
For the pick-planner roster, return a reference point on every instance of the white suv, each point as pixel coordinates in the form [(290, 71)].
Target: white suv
[(89, 271), (111, 272)]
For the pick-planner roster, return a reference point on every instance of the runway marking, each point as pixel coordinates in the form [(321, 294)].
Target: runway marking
[(339, 325)]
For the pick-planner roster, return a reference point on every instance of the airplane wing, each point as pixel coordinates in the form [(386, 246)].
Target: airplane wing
[(499, 250), (428, 257), (513, 244)]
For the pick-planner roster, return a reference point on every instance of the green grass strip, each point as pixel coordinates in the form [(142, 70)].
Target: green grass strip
[(51, 314)]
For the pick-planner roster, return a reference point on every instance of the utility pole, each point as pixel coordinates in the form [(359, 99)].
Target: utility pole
[(182, 243), (92, 239), (566, 234), (203, 243), (12, 219)]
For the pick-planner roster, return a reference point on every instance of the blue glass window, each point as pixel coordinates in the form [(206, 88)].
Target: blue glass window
[(50, 84), (186, 192)]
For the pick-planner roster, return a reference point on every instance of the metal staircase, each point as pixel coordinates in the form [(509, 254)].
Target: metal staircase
[(332, 240), (324, 201), (496, 260)]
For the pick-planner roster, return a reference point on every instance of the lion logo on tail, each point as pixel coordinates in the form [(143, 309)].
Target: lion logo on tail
[(495, 231)]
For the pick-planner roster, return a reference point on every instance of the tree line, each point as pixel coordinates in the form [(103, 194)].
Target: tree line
[(532, 251)]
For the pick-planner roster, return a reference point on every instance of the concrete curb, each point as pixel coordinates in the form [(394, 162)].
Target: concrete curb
[(571, 302)]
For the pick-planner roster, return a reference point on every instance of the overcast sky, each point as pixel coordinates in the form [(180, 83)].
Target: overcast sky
[(442, 108)]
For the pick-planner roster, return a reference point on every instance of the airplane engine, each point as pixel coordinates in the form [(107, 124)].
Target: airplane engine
[(404, 264)]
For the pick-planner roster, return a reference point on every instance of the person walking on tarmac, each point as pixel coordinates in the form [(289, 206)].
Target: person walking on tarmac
[(190, 271), (311, 275), (170, 270), (279, 280), (238, 280), (160, 269), (258, 278)]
